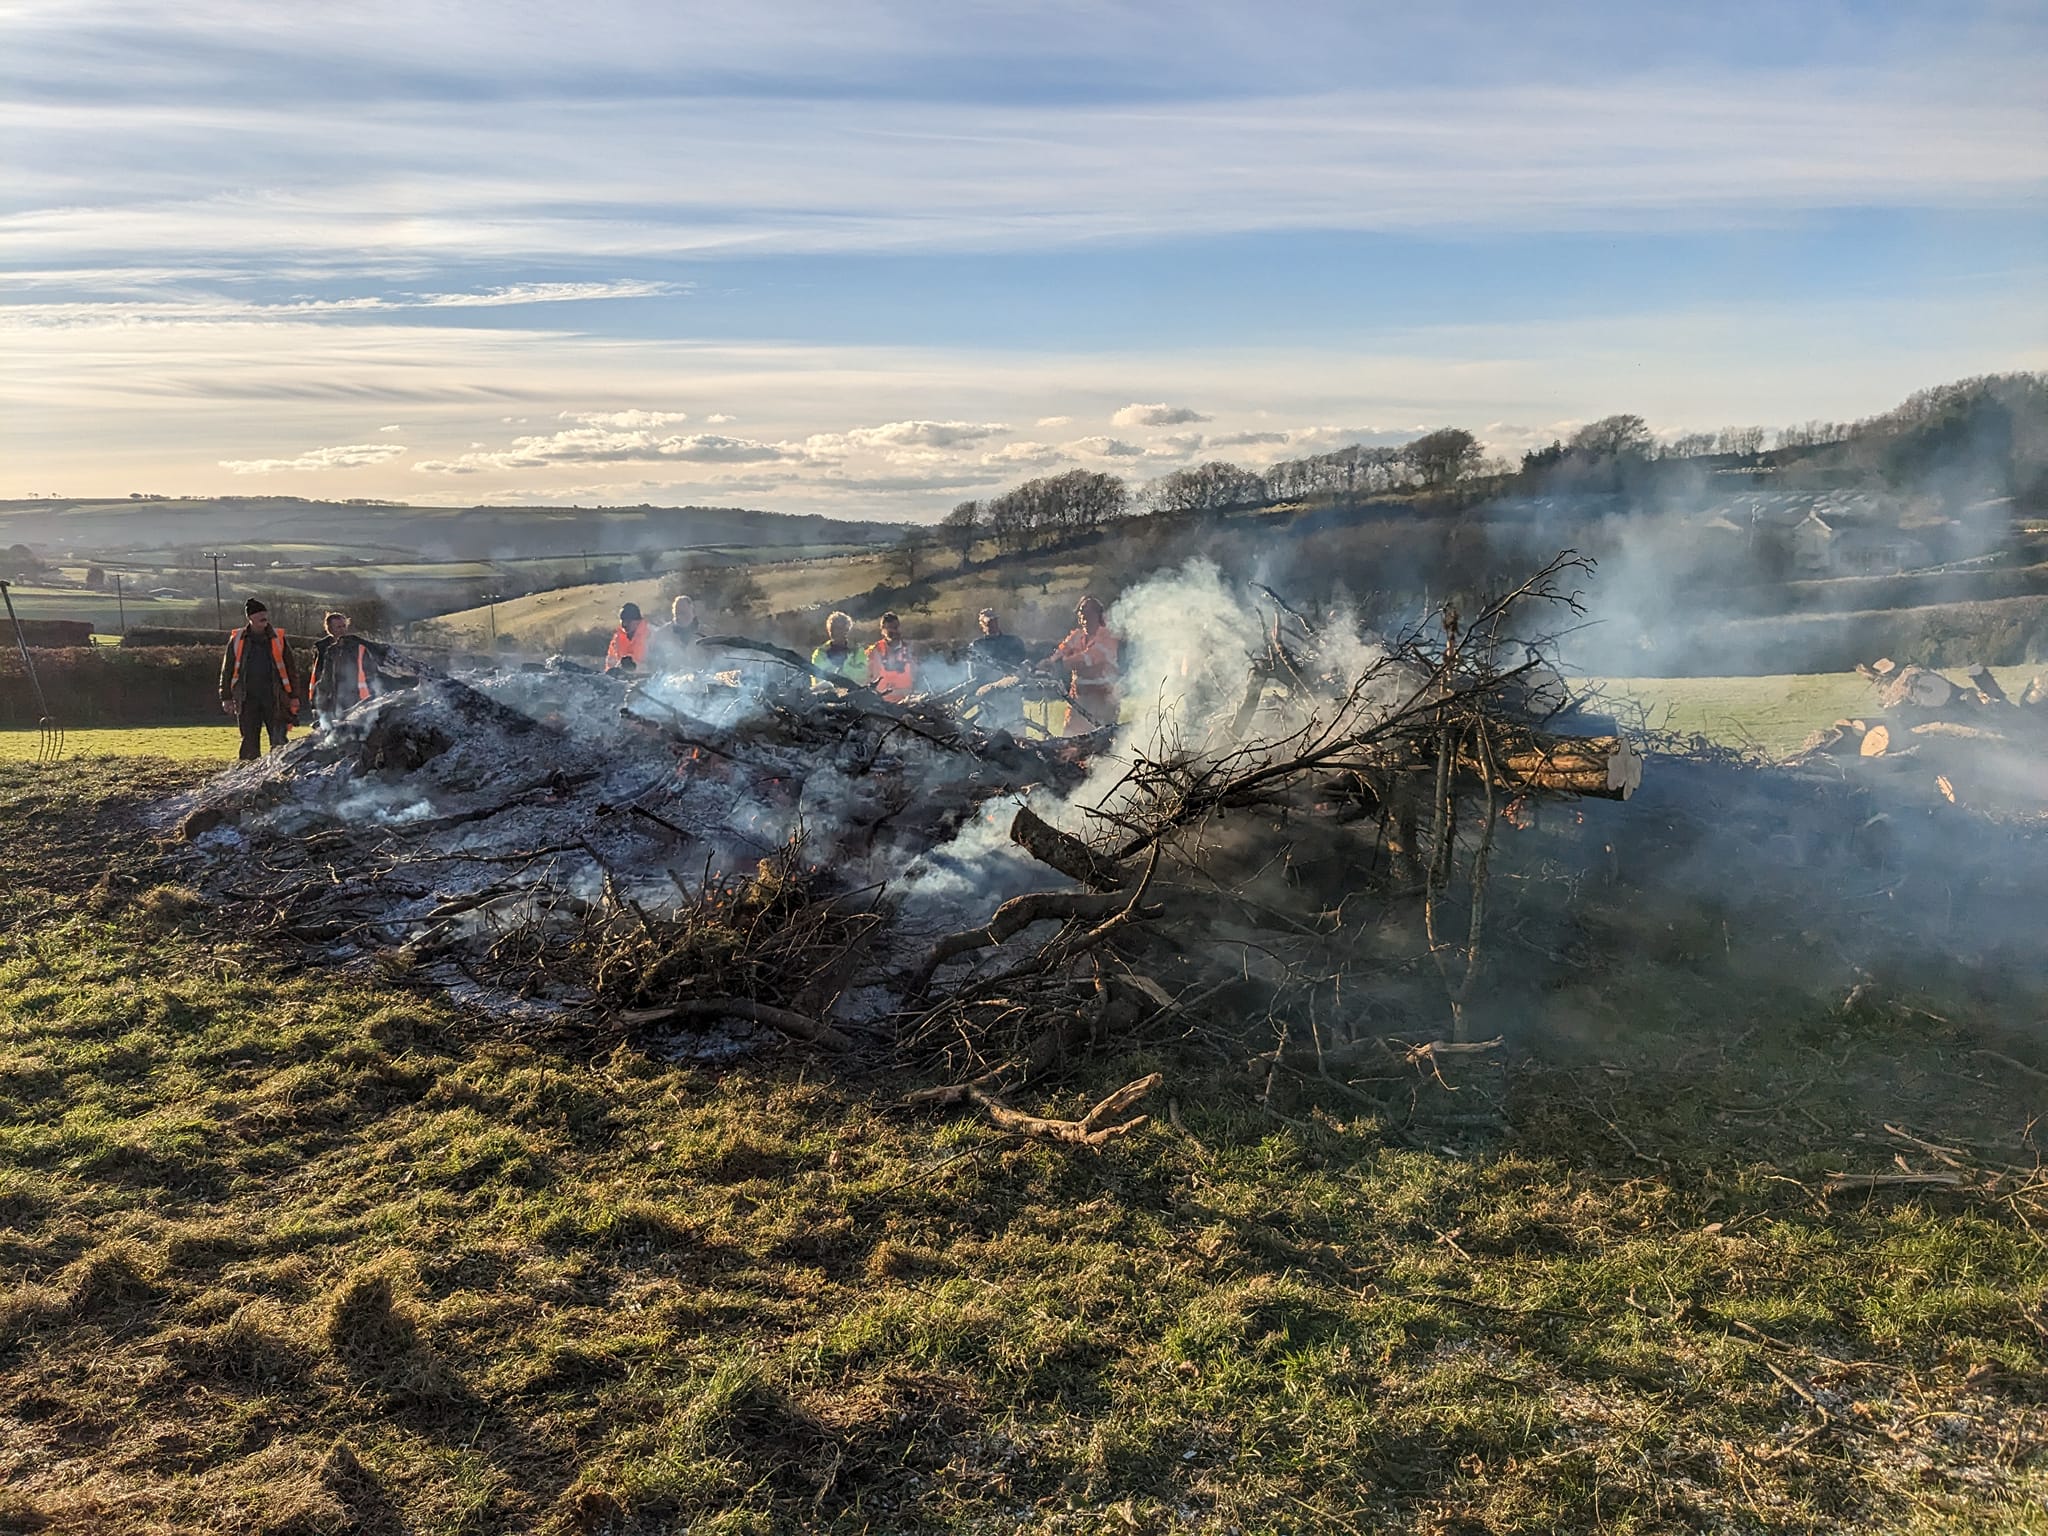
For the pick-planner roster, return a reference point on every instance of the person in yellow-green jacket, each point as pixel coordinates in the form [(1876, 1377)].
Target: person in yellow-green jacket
[(839, 656)]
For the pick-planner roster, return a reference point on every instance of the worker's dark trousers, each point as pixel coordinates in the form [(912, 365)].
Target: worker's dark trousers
[(258, 716)]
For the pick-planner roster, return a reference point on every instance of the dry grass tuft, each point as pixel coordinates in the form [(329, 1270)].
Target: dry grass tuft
[(26, 1310), (284, 1492), (255, 1348), (168, 903), (366, 1327), (112, 1277)]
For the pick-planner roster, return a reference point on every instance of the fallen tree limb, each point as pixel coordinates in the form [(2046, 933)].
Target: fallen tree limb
[(1063, 851), (1012, 918), (1099, 1125), (796, 1025)]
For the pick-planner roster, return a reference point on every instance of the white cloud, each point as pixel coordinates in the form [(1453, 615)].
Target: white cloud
[(906, 435), (1159, 415), (1247, 439), (1023, 455), (1105, 448), (719, 418), (1054, 421), (394, 427), (346, 456)]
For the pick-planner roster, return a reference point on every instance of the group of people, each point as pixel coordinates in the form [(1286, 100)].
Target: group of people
[(637, 644), (1088, 655), (259, 685)]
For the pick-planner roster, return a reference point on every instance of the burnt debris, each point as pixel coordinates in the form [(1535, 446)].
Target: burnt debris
[(1358, 840)]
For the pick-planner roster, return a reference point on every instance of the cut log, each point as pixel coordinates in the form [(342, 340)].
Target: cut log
[(1877, 741), (1950, 730), (1063, 851), (1918, 688), (1608, 767)]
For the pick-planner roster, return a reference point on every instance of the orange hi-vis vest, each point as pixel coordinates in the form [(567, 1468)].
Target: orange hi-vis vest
[(362, 675), (889, 670), (626, 645), (1091, 655), (284, 676), (362, 671)]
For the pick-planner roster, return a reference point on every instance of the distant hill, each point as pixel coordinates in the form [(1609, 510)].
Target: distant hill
[(445, 533)]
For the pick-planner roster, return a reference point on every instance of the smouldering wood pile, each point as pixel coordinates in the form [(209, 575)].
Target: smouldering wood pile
[(755, 842)]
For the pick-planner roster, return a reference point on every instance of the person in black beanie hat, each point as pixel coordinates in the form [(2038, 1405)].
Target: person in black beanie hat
[(257, 684)]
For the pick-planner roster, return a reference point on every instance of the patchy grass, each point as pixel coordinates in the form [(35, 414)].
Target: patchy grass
[(180, 743), (291, 1251)]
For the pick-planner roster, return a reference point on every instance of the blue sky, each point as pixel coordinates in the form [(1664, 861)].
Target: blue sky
[(871, 258)]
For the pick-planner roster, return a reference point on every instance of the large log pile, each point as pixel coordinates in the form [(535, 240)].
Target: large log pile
[(1968, 742)]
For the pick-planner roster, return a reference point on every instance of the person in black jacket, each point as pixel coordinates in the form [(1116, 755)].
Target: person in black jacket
[(345, 671), (992, 656), (257, 684)]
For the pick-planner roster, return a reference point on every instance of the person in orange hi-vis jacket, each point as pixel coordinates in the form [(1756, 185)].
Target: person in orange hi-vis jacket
[(629, 641), (891, 673), (258, 685), (1089, 653)]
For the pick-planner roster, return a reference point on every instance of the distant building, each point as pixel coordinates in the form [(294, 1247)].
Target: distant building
[(1813, 545)]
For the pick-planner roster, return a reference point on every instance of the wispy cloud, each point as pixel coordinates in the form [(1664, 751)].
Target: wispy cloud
[(205, 308), (601, 445), (627, 421)]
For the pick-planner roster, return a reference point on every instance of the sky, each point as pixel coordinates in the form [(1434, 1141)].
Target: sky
[(872, 257)]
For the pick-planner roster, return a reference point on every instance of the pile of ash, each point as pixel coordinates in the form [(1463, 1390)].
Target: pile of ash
[(464, 830)]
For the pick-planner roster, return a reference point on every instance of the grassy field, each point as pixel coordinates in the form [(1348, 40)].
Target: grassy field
[(180, 743), (101, 609), (1038, 596), (287, 1250), (1775, 713)]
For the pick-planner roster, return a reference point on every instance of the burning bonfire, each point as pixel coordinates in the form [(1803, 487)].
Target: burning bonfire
[(1304, 844)]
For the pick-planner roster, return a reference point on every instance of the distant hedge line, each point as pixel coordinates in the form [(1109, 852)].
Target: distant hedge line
[(46, 632), (102, 686), (141, 638), (2002, 632)]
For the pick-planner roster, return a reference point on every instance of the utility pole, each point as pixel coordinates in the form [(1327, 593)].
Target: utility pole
[(120, 603), (216, 559), (493, 598)]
